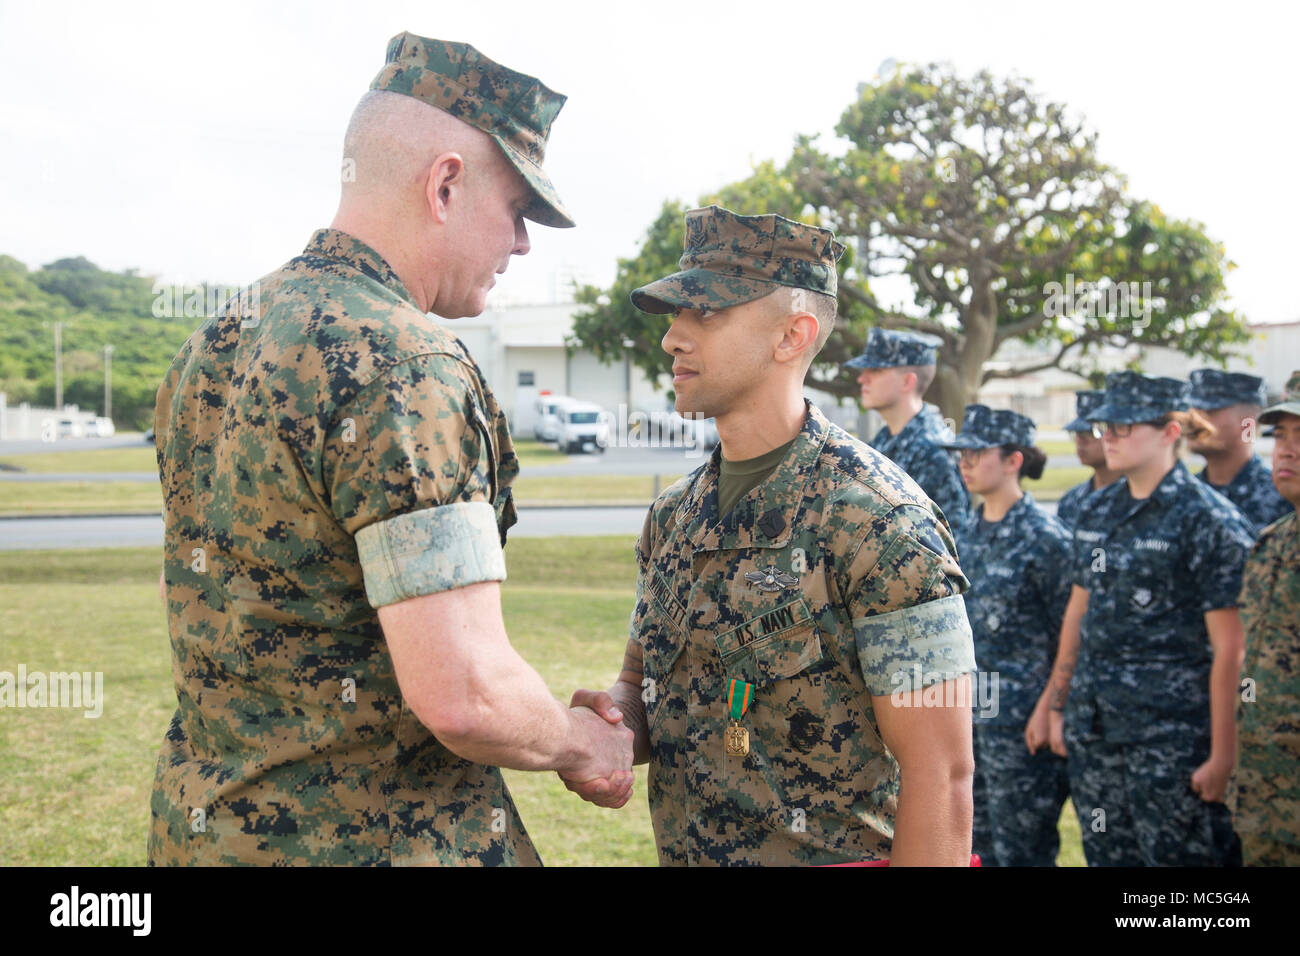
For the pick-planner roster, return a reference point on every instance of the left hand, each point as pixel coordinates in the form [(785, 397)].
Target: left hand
[(1210, 780)]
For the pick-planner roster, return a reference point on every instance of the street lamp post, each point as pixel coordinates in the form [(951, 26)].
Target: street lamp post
[(108, 382)]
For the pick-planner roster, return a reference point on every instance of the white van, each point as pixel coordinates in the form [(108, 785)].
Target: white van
[(585, 428), (549, 422)]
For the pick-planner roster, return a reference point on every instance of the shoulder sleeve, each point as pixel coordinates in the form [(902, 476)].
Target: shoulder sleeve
[(1218, 543), (408, 464), (906, 605), (941, 480)]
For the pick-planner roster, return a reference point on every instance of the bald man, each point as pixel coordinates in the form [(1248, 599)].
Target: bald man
[(336, 479)]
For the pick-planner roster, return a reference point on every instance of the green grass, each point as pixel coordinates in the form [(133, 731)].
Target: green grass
[(1050, 448), (76, 790), (1056, 482), (533, 453), (77, 497), (87, 460)]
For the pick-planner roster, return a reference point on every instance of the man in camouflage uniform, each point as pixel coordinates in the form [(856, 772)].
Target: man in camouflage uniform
[(1017, 557), (819, 617), (1232, 402), (336, 481), (1267, 814), (1089, 449), (1152, 623), (897, 367)]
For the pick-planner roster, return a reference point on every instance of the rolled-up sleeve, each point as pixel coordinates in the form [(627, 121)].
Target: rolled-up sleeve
[(909, 616), (410, 472)]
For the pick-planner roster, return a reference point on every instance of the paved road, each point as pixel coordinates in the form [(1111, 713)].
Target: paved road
[(128, 531)]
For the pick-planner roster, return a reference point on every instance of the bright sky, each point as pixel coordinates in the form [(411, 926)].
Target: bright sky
[(203, 142)]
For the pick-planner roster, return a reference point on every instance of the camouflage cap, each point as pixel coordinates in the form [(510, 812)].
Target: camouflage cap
[(1132, 397), (731, 259), (1084, 402), (515, 109), (1290, 404), (984, 427), (891, 348), (1213, 388)]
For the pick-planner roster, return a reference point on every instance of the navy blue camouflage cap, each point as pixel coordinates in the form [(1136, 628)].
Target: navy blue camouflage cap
[(1213, 388), (984, 427), (891, 348), (730, 259), (1084, 402), (1290, 404), (515, 109), (1132, 397)]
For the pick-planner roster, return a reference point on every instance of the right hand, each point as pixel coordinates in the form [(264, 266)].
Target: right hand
[(1038, 730), (605, 776), (1056, 732)]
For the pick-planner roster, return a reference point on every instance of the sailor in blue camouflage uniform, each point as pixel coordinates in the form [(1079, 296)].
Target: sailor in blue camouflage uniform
[(1152, 619), (1088, 448), (1016, 556), (1232, 402), (913, 434)]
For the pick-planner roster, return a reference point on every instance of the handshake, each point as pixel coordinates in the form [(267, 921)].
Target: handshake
[(603, 775)]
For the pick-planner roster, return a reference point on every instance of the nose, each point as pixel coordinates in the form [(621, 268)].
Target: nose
[(522, 244), (864, 377), (675, 340)]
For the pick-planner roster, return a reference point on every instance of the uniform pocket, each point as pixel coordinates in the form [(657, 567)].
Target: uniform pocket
[(772, 646)]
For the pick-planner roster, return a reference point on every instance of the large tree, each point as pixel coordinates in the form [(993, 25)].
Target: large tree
[(993, 206)]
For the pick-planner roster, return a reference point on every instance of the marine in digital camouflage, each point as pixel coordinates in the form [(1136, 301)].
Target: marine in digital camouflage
[(1137, 721), (1252, 491), (876, 608), (1268, 771), (917, 449), (515, 109), (324, 449), (731, 259)]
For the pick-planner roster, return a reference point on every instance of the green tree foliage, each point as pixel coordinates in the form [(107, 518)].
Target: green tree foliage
[(96, 308), (993, 206)]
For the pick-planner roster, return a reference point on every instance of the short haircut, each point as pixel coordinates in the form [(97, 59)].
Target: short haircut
[(924, 375), (823, 307)]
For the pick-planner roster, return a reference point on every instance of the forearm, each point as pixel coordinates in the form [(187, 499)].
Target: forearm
[(1067, 651), (508, 718), (933, 823), (1225, 680)]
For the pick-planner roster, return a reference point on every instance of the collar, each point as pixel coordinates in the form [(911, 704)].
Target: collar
[(766, 517), (1166, 493), (1011, 523), (341, 247)]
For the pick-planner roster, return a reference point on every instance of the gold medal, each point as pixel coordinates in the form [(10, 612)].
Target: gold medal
[(736, 738)]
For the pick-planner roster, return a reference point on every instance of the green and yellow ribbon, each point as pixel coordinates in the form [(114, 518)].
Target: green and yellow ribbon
[(738, 697)]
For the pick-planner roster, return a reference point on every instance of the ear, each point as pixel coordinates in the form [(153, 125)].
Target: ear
[(1011, 464), (800, 334), (443, 183)]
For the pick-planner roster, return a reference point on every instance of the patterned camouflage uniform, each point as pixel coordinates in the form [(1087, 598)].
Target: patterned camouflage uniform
[(1137, 721), (325, 450), (1018, 567), (1070, 503), (1251, 489), (832, 581), (1267, 815), (917, 448)]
